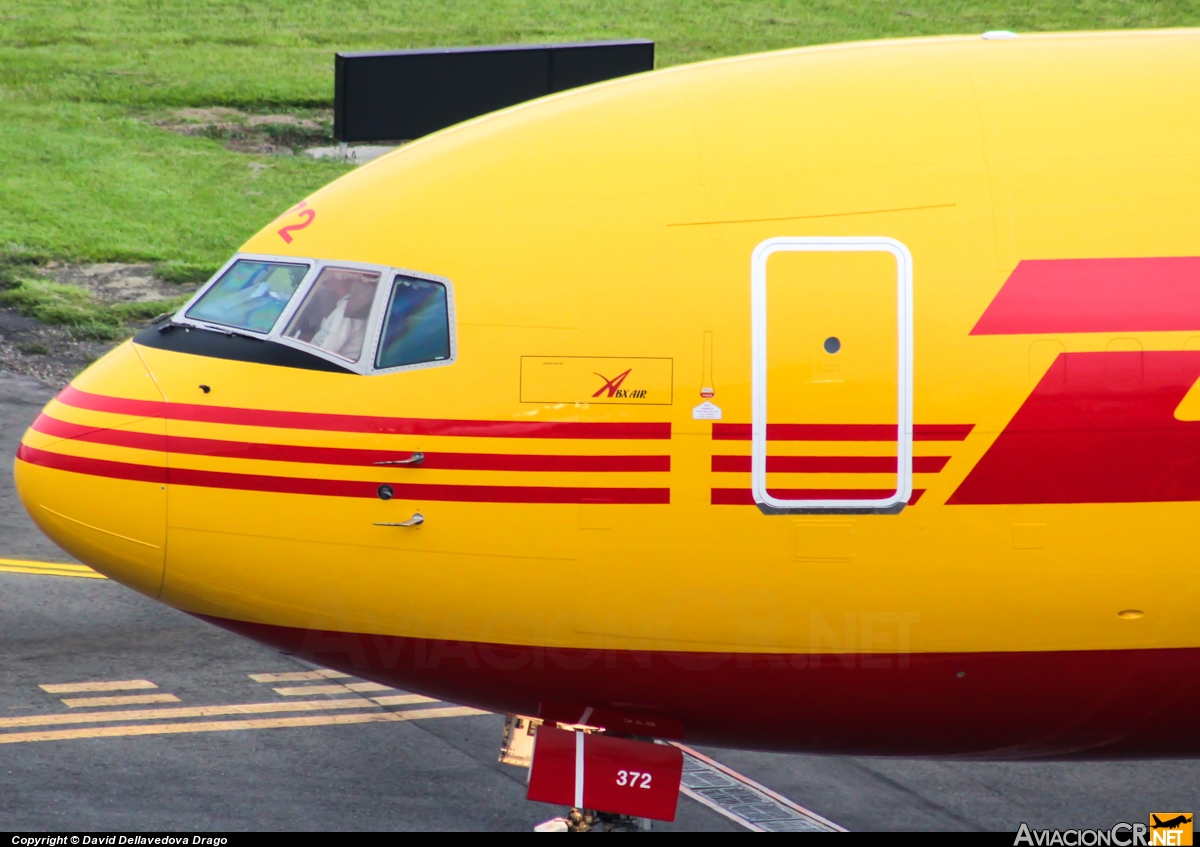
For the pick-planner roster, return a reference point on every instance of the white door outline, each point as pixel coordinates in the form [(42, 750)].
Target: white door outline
[(758, 320)]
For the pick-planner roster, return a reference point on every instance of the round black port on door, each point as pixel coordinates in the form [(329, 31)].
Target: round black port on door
[(385, 492), (832, 344)]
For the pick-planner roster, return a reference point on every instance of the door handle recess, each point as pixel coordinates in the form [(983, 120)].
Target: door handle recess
[(415, 459), (416, 520)]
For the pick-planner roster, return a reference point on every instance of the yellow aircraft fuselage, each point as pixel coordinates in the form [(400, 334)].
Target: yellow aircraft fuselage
[(837, 399)]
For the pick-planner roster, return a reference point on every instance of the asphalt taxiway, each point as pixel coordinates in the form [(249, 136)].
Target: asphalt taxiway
[(118, 713)]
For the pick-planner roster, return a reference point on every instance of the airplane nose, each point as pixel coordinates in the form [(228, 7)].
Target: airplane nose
[(91, 471)]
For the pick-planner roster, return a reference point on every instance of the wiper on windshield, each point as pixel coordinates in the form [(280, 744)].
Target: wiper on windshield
[(220, 330)]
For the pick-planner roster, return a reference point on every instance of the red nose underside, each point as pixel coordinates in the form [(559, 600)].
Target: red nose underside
[(1098, 704)]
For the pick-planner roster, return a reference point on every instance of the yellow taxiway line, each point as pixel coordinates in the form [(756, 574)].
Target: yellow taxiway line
[(189, 712), (403, 699), (356, 687), (298, 676), (107, 685), (304, 690), (131, 700), (48, 568), (228, 726)]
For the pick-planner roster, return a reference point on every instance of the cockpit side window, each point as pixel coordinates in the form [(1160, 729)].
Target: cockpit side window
[(335, 313), (416, 327), (249, 295)]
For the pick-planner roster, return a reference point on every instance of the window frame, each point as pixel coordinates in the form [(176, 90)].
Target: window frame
[(181, 316), (302, 292), (382, 316), (366, 362)]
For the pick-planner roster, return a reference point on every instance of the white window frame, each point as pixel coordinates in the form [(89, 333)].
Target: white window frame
[(180, 317), (381, 315), (366, 363), (758, 318)]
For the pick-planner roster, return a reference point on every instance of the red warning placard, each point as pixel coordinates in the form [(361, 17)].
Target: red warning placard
[(591, 771)]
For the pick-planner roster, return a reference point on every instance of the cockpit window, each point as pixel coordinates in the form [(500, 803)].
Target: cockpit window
[(249, 295), (334, 315), (417, 325)]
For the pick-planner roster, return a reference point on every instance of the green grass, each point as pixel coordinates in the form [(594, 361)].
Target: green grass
[(89, 181), (87, 318), (280, 52), (84, 176)]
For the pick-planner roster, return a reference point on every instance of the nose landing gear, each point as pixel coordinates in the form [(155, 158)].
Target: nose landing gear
[(611, 784), (586, 820)]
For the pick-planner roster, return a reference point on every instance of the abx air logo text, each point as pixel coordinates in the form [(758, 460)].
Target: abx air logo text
[(614, 389)]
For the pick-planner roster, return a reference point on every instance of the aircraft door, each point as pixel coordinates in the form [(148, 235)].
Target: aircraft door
[(831, 375)]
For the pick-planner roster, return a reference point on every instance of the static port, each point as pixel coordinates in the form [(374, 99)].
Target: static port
[(832, 344)]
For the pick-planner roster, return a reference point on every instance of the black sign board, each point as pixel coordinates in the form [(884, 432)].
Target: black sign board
[(405, 94)]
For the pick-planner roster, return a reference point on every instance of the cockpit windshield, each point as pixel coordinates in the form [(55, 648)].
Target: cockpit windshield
[(331, 315), (335, 312), (417, 325), (249, 295)]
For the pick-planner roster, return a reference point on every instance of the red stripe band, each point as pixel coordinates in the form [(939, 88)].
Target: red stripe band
[(342, 487), (1096, 295), (745, 497), (828, 464), (360, 423), (344, 456), (92, 467), (842, 432)]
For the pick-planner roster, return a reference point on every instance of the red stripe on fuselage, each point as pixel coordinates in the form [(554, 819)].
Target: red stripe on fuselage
[(745, 497), (342, 487), (1098, 428), (92, 467), (841, 432), (1079, 704), (828, 464), (346, 456), (1096, 295), (361, 423)]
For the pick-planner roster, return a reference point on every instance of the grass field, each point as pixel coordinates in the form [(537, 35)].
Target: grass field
[(85, 174)]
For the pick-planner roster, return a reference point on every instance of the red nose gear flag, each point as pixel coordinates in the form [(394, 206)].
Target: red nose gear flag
[(591, 771)]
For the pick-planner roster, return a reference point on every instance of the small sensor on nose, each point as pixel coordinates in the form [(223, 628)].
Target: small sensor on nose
[(832, 344)]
